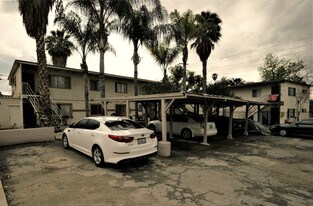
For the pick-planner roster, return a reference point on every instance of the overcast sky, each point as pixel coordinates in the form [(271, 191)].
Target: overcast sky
[(250, 30)]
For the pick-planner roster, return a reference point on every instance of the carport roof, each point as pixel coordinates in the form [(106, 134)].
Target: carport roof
[(188, 98)]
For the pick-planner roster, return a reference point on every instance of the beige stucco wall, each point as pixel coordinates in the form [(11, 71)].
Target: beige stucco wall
[(21, 136), (75, 95), (10, 113), (291, 102), (17, 87)]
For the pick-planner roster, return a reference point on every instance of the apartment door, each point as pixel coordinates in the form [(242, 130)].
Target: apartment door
[(29, 115), (29, 78), (275, 114), (276, 90)]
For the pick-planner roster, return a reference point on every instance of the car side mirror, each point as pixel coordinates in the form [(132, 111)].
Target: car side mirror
[(71, 125)]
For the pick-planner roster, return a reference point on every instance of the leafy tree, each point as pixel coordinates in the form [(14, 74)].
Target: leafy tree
[(85, 36), (183, 29), (35, 18), (174, 82), (280, 69), (221, 87), (208, 33), (105, 13), (59, 47), (163, 55)]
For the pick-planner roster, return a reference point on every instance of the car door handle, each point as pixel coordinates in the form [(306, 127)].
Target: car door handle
[(79, 132), (93, 135)]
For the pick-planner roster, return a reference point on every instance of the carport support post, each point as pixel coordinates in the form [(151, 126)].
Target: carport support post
[(230, 123), (164, 147), (245, 133), (127, 109), (205, 124), (259, 114)]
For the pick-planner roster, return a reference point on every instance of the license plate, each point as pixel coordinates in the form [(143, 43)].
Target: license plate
[(141, 140)]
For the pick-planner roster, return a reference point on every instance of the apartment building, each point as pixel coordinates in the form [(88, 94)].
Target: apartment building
[(66, 87), (289, 100)]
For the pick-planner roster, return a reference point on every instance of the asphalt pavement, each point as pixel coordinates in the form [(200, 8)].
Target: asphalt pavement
[(257, 170)]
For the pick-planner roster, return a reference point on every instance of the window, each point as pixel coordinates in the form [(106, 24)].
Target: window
[(256, 93), (13, 81), (120, 109), (92, 124), (291, 91), (120, 87), (59, 82), (81, 124), (291, 113), (94, 85), (65, 109), (96, 110), (122, 124), (303, 110)]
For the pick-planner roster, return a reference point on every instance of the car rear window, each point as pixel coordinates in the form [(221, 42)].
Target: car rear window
[(124, 124)]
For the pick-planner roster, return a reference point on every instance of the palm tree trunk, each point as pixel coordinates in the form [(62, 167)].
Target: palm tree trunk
[(204, 76), (101, 77), (45, 117), (185, 58), (136, 60), (84, 68)]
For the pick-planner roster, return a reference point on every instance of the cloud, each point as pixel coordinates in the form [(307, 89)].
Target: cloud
[(250, 30)]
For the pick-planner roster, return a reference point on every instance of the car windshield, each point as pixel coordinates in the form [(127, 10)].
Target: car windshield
[(124, 124)]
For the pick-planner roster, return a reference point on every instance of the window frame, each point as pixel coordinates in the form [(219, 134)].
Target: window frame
[(122, 106), (292, 91), (122, 89), (99, 107), (50, 76), (291, 111), (92, 83), (256, 93), (70, 108)]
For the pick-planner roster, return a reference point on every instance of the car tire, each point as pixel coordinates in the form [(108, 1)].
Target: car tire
[(186, 133), (65, 141), (152, 127), (97, 156), (282, 132)]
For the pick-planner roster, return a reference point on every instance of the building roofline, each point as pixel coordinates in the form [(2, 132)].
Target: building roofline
[(17, 62), (269, 82)]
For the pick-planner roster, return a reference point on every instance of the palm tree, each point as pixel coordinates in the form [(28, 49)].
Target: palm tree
[(85, 35), (137, 26), (59, 47), (104, 13), (208, 33), (183, 30), (163, 55), (35, 18)]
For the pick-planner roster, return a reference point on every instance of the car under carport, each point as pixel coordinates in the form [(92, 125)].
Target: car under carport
[(206, 101)]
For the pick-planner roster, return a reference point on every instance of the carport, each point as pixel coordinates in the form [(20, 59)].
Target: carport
[(168, 99)]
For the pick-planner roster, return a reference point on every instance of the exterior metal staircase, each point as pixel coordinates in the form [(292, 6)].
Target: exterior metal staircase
[(34, 101), (253, 109)]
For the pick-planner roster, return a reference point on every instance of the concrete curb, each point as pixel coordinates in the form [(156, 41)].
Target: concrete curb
[(3, 200)]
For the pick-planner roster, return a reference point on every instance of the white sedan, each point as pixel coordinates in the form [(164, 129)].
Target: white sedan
[(185, 126), (110, 139)]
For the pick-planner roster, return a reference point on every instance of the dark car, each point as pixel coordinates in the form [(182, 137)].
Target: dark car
[(302, 128)]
